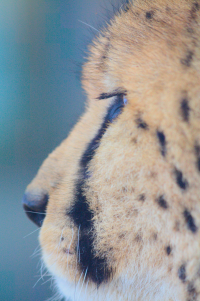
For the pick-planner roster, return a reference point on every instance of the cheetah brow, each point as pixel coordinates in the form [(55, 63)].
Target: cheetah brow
[(117, 92)]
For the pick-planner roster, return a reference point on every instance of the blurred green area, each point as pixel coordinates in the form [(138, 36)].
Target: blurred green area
[(41, 45)]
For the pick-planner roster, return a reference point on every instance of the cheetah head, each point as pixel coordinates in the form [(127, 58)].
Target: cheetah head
[(118, 201)]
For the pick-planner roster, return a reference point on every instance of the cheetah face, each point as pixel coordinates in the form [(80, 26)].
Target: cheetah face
[(118, 202)]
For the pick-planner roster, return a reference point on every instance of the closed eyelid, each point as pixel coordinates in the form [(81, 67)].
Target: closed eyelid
[(117, 92)]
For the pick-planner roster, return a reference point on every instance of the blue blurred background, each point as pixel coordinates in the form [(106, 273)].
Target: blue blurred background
[(42, 46)]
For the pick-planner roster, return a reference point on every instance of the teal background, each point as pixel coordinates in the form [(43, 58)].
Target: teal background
[(42, 45)]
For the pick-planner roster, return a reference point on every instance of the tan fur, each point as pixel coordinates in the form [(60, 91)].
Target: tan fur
[(149, 59)]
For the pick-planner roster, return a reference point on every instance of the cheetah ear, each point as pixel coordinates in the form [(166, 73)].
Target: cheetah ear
[(37, 193)]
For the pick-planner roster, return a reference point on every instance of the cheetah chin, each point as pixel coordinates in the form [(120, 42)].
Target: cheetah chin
[(118, 202)]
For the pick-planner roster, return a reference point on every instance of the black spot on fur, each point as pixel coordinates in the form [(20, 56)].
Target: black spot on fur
[(181, 182), (94, 267), (182, 273), (138, 238), (155, 236), (168, 9), (162, 202), (188, 59), (162, 141), (195, 8), (198, 163), (177, 226), (192, 291), (190, 221), (149, 15), (168, 250), (197, 151), (142, 197), (190, 30), (105, 52), (185, 109), (141, 124)]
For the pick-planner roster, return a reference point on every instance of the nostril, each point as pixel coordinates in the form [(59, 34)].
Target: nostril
[(35, 207)]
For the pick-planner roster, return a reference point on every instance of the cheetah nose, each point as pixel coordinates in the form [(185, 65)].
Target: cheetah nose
[(35, 207)]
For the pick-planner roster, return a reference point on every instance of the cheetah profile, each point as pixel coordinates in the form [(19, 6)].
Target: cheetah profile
[(118, 201)]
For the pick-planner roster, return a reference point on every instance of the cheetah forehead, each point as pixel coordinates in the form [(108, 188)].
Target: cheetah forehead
[(159, 41)]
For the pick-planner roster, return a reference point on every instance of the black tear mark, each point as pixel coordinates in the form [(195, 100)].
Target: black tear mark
[(141, 124), (93, 266), (182, 273), (197, 151), (168, 250), (162, 141), (80, 212), (190, 221), (188, 59), (142, 197), (185, 109), (162, 202), (181, 182), (149, 14)]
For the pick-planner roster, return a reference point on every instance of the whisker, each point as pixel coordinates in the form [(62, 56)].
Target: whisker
[(50, 279), (78, 249), (61, 235), (70, 246), (56, 297), (88, 25), (86, 287), (42, 268), (36, 253), (31, 233), (39, 279), (83, 283), (79, 279), (37, 249), (35, 212)]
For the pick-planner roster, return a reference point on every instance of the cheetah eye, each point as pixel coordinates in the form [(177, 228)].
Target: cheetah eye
[(117, 107)]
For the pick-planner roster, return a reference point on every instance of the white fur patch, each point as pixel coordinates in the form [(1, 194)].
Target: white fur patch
[(141, 287)]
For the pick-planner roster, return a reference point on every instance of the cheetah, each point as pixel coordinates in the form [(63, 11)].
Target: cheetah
[(118, 202)]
